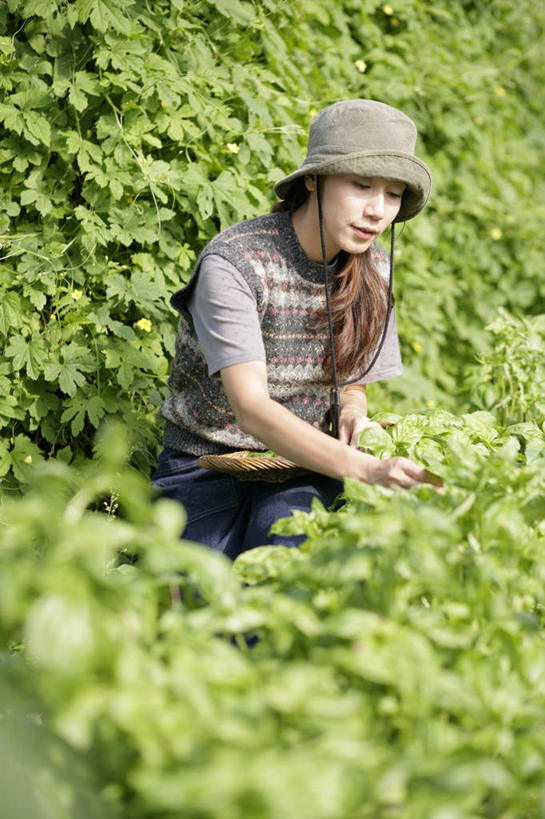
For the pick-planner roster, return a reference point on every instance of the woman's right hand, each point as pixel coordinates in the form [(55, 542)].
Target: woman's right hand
[(398, 471)]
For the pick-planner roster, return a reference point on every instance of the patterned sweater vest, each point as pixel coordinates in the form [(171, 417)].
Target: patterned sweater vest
[(289, 289)]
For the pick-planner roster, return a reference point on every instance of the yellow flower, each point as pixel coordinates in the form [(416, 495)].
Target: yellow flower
[(496, 233), (430, 404), (233, 148), (417, 347), (388, 10), (28, 459), (144, 324), (394, 21), (163, 104), (76, 294), (500, 91), (361, 65), (312, 112)]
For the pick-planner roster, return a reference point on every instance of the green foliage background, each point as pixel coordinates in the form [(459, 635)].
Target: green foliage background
[(132, 131)]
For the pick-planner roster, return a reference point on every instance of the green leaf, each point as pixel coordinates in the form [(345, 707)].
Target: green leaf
[(376, 441), (7, 45), (69, 371), (86, 81), (205, 201), (81, 405), (105, 14), (100, 17), (37, 297), (95, 410), (28, 355), (54, 621), (74, 412), (9, 409), (240, 12), (37, 128), (24, 456), (10, 312), (116, 188), (12, 118), (125, 375), (77, 98), (39, 8), (5, 458)]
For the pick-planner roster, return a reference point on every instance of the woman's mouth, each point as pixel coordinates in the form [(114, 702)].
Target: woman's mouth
[(364, 233)]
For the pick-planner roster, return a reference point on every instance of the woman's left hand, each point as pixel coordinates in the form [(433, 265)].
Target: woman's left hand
[(352, 423)]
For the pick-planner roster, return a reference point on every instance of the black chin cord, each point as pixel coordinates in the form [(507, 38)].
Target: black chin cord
[(334, 391)]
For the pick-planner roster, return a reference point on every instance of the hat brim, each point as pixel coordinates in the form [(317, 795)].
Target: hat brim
[(381, 164)]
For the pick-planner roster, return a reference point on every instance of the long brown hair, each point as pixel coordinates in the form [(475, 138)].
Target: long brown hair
[(359, 296)]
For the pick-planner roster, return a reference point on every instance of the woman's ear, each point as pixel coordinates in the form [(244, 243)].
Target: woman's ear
[(310, 182)]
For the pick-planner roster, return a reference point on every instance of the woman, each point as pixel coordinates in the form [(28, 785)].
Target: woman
[(254, 361)]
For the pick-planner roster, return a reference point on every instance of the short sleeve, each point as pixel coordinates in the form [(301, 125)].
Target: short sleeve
[(225, 317), (388, 364)]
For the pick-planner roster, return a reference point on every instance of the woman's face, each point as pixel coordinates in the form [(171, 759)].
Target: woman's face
[(356, 209)]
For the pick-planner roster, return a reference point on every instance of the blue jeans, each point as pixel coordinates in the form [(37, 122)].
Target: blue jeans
[(232, 516)]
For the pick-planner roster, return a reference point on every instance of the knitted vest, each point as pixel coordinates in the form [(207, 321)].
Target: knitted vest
[(289, 290)]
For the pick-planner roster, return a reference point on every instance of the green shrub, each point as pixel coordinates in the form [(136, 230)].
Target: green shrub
[(132, 131), (511, 378), (392, 665)]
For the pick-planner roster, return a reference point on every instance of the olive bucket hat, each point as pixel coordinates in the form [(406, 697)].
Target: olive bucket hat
[(367, 138)]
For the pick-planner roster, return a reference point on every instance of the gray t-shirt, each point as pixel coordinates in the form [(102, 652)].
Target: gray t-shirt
[(224, 313)]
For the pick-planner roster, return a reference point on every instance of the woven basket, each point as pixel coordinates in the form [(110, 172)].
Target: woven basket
[(259, 468)]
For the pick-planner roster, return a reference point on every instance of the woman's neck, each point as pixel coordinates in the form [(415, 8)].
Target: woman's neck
[(307, 229)]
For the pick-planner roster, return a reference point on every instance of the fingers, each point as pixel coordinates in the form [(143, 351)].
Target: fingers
[(350, 428), (349, 431), (433, 479), (355, 437), (403, 477), (423, 475), (402, 472), (345, 435), (358, 427)]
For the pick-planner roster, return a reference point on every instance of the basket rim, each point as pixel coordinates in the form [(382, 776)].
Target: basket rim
[(257, 467)]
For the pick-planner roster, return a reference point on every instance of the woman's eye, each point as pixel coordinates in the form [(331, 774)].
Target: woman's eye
[(395, 194), (362, 186)]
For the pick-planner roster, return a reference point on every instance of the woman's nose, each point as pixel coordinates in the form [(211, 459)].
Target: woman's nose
[(375, 205)]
